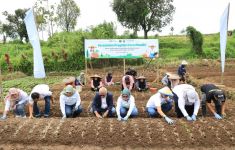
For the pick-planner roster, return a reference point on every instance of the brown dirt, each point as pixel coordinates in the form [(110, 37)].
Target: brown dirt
[(87, 132)]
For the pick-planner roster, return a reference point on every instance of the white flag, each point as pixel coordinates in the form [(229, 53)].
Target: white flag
[(223, 35), (38, 67)]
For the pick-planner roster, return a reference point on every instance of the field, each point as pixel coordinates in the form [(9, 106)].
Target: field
[(88, 132)]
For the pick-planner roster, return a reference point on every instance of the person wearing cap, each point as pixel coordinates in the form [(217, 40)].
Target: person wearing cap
[(126, 106), (210, 92), (80, 80), (102, 105), (70, 102), (188, 102), (165, 80), (15, 100), (160, 103), (182, 70), (39, 92), (141, 84), (128, 82), (96, 82), (109, 79)]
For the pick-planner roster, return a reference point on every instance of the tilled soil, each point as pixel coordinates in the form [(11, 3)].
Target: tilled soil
[(88, 132)]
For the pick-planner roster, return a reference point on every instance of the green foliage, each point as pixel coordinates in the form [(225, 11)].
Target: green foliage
[(195, 38), (150, 15), (67, 12), (104, 31)]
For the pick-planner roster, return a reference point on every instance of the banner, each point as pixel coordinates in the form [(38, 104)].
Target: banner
[(38, 67), (223, 35), (121, 48)]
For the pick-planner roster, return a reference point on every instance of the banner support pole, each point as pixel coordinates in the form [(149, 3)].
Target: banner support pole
[(124, 66)]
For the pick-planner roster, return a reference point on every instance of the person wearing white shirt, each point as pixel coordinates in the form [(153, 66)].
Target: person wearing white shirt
[(126, 105), (70, 102), (160, 103), (102, 105), (15, 100), (188, 101), (40, 91)]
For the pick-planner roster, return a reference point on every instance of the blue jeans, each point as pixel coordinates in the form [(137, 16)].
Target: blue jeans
[(123, 112), (19, 111), (152, 112), (47, 107), (111, 112), (70, 112)]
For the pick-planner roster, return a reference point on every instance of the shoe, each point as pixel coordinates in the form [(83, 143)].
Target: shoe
[(37, 116), (2, 118), (46, 116), (18, 116)]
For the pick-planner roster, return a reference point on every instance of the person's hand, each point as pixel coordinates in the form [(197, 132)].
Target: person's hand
[(223, 115), (98, 116), (217, 116), (119, 118), (189, 118), (125, 118), (194, 117), (169, 120), (3, 118), (75, 108), (105, 114), (64, 117)]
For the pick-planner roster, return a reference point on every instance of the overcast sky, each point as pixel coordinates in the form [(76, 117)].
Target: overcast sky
[(204, 15)]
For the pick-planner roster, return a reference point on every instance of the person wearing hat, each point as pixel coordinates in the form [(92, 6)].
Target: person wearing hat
[(96, 82), (15, 100), (174, 80), (80, 80), (141, 84), (188, 102), (182, 70), (109, 79), (70, 102), (128, 82), (126, 106), (160, 103), (69, 81), (39, 92), (102, 105), (210, 92)]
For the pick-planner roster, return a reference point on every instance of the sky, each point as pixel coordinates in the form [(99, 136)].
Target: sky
[(204, 15)]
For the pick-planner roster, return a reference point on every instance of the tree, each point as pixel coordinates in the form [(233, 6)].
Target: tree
[(196, 39), (16, 26), (67, 12), (149, 15), (172, 30), (104, 31)]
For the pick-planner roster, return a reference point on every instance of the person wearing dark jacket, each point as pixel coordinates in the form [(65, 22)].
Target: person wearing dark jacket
[(102, 105), (141, 84), (210, 92), (96, 83), (182, 71)]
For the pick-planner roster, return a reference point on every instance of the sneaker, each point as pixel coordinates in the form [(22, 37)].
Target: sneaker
[(2, 118), (46, 116), (18, 116), (37, 116)]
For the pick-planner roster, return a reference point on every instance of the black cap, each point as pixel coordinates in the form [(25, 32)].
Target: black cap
[(219, 95)]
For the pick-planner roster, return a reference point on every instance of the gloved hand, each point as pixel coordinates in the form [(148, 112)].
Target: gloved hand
[(64, 117), (75, 108), (119, 118), (125, 118), (3, 118), (217, 116), (168, 120), (194, 117), (189, 118)]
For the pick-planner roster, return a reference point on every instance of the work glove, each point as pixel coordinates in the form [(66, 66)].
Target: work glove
[(169, 120), (194, 117), (3, 118), (64, 117), (189, 118), (75, 108), (125, 118), (217, 116), (119, 118)]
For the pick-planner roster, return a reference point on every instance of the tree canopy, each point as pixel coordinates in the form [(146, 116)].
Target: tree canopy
[(67, 12), (149, 15)]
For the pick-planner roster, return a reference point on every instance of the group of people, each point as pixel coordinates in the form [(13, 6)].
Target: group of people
[(174, 92)]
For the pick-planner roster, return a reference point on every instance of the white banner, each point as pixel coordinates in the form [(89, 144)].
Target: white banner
[(223, 35), (38, 68), (121, 48)]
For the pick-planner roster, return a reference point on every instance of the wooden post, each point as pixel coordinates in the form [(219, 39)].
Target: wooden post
[(85, 70)]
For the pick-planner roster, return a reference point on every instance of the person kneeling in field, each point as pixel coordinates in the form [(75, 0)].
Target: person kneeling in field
[(15, 100), (70, 102), (40, 91), (160, 103), (141, 84), (96, 82), (102, 105), (188, 102), (212, 92), (126, 105)]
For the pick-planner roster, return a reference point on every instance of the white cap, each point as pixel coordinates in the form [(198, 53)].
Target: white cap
[(184, 62), (192, 95)]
